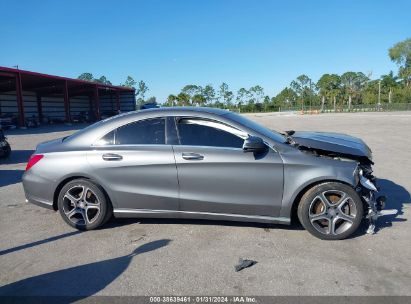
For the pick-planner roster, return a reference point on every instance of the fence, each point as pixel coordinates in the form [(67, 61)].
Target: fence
[(384, 107)]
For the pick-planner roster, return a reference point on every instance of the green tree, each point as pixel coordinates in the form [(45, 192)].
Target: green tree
[(183, 99), (209, 93), (86, 76), (257, 93), (102, 80), (171, 100), (225, 95), (241, 96), (353, 83), (286, 98), (191, 90), (302, 87), (388, 84), (142, 89), (329, 88), (267, 103), (198, 100), (129, 83), (400, 53)]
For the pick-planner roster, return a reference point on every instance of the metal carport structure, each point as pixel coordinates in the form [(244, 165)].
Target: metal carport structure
[(24, 93)]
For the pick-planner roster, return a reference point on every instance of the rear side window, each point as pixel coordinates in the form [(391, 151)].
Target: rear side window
[(198, 132), (144, 132)]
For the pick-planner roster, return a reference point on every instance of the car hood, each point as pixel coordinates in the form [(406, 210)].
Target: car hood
[(333, 142)]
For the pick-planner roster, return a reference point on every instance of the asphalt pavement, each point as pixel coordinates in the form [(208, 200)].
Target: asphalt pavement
[(41, 255)]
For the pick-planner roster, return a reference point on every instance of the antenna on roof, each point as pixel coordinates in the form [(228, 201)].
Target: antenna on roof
[(16, 66)]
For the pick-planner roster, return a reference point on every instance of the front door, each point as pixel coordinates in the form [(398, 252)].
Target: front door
[(215, 174)]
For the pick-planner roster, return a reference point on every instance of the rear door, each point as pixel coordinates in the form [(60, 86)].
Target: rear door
[(137, 166), (217, 176)]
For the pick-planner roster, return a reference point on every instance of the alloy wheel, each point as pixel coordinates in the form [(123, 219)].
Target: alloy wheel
[(81, 205), (332, 212)]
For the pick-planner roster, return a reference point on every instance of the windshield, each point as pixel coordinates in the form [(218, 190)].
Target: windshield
[(256, 127)]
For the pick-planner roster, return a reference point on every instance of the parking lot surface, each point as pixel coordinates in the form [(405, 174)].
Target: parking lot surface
[(41, 255)]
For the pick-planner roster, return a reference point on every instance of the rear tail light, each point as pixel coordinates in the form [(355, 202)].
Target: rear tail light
[(34, 159)]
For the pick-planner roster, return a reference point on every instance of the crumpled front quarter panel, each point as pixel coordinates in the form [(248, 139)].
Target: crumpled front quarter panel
[(302, 170)]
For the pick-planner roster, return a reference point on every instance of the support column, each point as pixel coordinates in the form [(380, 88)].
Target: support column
[(20, 104), (66, 102), (90, 113), (118, 102), (39, 108), (97, 103)]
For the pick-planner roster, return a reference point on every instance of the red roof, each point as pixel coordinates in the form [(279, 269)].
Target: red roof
[(34, 80)]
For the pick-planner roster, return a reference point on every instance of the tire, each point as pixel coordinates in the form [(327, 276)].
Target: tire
[(331, 211), (8, 151), (84, 210)]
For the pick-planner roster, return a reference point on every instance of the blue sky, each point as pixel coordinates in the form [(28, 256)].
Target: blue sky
[(172, 43)]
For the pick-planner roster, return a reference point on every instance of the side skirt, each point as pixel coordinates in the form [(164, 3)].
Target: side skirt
[(145, 213)]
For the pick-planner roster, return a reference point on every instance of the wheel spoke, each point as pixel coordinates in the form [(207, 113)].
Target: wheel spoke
[(93, 206), (317, 217), (325, 200), (84, 193), (344, 199), (346, 217), (71, 198), (85, 217), (72, 212), (331, 226)]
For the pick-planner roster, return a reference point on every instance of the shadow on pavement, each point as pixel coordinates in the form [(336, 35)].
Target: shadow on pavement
[(118, 222), (397, 197), (79, 281), (17, 157), (46, 129), (33, 244), (10, 177)]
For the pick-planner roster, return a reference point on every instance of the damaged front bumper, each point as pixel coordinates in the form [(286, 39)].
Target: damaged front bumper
[(368, 191)]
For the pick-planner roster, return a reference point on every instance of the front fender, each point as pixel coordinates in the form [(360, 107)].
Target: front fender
[(302, 171)]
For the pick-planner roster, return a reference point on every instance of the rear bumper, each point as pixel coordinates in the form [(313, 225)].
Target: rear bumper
[(38, 190)]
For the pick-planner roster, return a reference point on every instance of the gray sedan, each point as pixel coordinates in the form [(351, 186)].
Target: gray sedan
[(204, 163)]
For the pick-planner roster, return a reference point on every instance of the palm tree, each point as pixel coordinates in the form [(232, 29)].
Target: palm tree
[(388, 82)]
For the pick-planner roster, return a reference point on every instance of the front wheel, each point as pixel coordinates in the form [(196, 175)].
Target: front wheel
[(83, 205), (331, 211)]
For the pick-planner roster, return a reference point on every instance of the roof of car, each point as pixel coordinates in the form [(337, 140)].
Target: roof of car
[(184, 109)]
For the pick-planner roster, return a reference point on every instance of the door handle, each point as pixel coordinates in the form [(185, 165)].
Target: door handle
[(192, 156), (111, 157)]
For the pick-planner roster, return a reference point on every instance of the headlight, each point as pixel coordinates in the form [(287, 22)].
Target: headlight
[(365, 182)]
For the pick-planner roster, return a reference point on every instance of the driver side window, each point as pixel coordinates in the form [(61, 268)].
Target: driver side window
[(202, 132)]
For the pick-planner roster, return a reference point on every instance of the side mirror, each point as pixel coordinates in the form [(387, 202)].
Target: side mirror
[(253, 144)]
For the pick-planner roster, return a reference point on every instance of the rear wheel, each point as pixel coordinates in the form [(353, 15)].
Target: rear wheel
[(331, 211), (83, 205), (7, 151)]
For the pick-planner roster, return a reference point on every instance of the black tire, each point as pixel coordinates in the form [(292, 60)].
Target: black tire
[(7, 151), (327, 214), (96, 197)]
